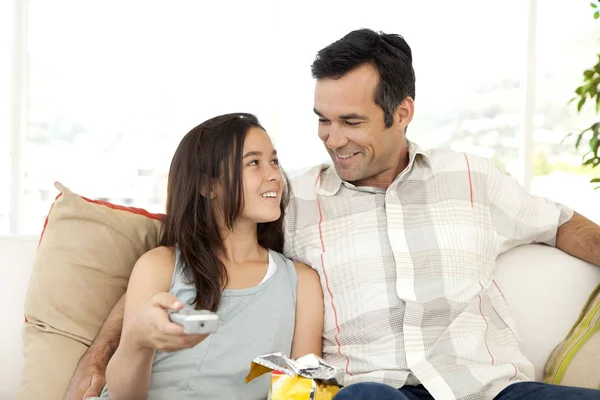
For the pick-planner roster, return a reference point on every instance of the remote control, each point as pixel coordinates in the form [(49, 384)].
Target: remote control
[(196, 321)]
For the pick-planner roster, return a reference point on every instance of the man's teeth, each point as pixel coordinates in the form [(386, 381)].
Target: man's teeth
[(344, 156), (269, 194)]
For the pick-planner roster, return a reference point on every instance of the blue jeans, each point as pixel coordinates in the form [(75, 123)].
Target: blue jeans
[(516, 391)]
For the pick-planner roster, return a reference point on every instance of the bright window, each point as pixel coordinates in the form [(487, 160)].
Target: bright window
[(564, 51), (114, 86), (468, 74)]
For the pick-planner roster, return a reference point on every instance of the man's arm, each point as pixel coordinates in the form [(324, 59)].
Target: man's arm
[(89, 377), (580, 238)]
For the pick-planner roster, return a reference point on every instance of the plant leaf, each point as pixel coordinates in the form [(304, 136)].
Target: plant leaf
[(593, 5), (589, 73), (579, 137), (594, 145), (581, 103), (596, 15), (568, 135), (595, 180)]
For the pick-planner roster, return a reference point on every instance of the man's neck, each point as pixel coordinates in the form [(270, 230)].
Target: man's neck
[(385, 178)]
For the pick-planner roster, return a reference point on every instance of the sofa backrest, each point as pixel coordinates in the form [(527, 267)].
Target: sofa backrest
[(544, 287), (17, 254)]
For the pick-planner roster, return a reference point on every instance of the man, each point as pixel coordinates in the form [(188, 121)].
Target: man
[(405, 242)]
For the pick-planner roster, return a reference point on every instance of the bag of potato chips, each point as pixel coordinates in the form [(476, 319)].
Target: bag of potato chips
[(307, 378)]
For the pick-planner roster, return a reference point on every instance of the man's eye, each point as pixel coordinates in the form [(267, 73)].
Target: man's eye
[(350, 123), (323, 120), (275, 161)]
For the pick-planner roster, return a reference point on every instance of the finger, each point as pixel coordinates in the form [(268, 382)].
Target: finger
[(81, 387), (166, 301), (163, 324), (193, 340), (173, 343), (97, 384), (168, 328), (93, 391)]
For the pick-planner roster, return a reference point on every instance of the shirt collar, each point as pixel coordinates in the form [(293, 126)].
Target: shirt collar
[(329, 182)]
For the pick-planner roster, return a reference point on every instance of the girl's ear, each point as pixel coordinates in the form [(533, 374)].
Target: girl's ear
[(206, 188)]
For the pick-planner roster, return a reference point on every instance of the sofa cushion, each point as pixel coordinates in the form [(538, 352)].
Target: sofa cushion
[(576, 360), (50, 358), (83, 262)]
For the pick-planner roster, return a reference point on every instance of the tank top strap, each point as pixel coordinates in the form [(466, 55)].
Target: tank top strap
[(287, 270)]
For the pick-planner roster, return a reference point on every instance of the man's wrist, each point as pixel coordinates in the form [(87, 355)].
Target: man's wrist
[(100, 352), (96, 356), (107, 341)]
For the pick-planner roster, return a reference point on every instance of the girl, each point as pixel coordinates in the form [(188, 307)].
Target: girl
[(220, 251)]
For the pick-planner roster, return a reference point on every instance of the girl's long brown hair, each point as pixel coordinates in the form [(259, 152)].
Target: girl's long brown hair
[(211, 152)]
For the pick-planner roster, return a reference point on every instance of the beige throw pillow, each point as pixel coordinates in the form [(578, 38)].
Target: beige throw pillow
[(84, 259)]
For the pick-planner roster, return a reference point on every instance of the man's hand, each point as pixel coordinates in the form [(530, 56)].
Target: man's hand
[(87, 381), (89, 377)]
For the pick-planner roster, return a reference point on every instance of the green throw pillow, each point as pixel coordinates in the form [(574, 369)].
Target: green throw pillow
[(576, 360)]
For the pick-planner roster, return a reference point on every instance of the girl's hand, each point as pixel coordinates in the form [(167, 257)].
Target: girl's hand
[(151, 328)]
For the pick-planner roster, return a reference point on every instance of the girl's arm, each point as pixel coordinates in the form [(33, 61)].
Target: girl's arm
[(308, 333), (129, 370)]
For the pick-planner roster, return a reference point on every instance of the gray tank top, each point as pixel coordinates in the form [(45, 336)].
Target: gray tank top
[(254, 321)]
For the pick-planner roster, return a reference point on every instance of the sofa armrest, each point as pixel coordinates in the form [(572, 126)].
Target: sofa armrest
[(546, 290)]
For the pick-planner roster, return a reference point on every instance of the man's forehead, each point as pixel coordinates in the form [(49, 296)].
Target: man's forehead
[(337, 103), (358, 88)]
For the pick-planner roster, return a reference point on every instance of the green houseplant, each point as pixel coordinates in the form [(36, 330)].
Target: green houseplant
[(589, 91)]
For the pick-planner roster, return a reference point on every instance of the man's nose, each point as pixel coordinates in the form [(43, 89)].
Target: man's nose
[(336, 138)]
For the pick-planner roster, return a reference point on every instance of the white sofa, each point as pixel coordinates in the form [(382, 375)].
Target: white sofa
[(544, 287)]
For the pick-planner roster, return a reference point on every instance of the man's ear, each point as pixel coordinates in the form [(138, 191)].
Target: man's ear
[(405, 112)]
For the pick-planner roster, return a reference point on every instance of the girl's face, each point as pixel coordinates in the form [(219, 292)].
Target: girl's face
[(263, 184)]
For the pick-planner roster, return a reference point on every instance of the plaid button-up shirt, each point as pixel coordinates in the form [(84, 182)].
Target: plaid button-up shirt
[(408, 272)]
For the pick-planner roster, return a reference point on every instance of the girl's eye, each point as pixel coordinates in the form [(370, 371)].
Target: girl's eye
[(253, 163), (275, 161)]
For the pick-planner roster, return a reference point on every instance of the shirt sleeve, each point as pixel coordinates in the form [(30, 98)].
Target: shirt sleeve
[(288, 245), (520, 217)]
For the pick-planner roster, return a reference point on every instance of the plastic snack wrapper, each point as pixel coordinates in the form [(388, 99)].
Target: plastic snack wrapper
[(306, 378)]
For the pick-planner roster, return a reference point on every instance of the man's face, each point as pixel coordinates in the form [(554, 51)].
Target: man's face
[(352, 128)]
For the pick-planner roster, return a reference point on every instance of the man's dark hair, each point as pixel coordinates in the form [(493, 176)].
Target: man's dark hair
[(388, 53)]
